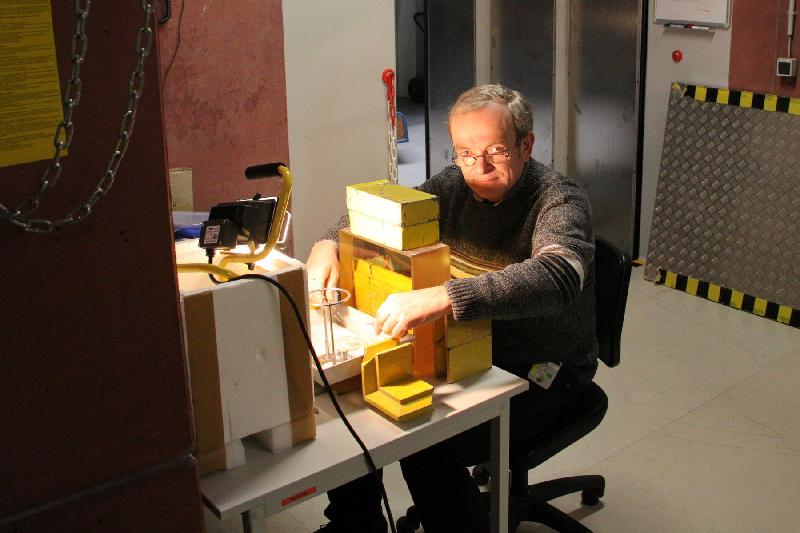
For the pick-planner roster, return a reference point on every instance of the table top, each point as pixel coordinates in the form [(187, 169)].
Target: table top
[(281, 480)]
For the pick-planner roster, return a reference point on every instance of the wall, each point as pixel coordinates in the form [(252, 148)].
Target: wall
[(224, 95), (758, 39), (705, 62), (94, 406), (336, 105), (741, 57)]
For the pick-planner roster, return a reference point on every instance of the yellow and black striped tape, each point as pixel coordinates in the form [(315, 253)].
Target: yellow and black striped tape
[(767, 102), (757, 306)]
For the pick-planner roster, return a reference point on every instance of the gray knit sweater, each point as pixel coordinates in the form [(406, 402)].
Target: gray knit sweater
[(539, 311)]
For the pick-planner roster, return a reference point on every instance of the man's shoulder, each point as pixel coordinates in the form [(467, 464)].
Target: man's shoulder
[(449, 179), (553, 179)]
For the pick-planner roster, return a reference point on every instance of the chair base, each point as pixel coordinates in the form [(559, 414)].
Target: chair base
[(534, 506)]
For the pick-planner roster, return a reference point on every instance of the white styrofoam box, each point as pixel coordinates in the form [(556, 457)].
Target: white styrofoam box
[(251, 360)]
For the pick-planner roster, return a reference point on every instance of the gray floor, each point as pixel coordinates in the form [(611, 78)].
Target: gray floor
[(703, 428), (702, 432)]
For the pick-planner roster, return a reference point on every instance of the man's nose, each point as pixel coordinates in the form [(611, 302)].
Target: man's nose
[(482, 165)]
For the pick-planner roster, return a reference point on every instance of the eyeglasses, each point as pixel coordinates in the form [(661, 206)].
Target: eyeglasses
[(491, 157)]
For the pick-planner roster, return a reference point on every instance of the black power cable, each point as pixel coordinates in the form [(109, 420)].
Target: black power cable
[(177, 44), (373, 469)]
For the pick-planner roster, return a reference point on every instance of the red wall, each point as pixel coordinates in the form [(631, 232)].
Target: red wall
[(758, 38), (225, 95), (93, 397)]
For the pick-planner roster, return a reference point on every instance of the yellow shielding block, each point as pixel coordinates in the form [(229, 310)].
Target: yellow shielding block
[(388, 383), (462, 332), (392, 235), (468, 359), (408, 390), (392, 203), (396, 410)]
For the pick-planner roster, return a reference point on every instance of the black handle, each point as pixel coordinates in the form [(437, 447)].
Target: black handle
[(266, 170)]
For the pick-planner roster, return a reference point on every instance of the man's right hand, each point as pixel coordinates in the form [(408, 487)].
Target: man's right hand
[(322, 265)]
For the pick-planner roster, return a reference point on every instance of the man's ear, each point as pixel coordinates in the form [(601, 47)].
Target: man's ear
[(527, 145)]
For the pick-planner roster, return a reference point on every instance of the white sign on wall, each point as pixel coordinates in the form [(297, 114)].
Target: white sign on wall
[(705, 12)]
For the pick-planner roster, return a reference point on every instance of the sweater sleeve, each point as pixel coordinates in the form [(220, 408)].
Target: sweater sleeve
[(333, 232), (544, 284)]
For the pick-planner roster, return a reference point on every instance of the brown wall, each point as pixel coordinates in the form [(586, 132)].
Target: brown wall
[(93, 396), (225, 95), (758, 38)]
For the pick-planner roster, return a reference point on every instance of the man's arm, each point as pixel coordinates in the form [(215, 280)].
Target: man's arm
[(546, 283), (322, 265)]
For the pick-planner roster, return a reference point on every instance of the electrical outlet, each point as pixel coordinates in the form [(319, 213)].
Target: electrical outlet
[(786, 67)]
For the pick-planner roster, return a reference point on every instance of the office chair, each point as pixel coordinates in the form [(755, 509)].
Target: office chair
[(530, 503)]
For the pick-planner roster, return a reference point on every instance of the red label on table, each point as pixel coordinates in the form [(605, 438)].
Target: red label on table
[(298, 496)]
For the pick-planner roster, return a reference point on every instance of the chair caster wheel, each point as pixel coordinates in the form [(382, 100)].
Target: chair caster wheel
[(589, 497), (404, 525), (481, 475), (410, 522)]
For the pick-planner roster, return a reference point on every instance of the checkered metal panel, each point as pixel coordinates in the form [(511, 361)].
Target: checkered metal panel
[(727, 208)]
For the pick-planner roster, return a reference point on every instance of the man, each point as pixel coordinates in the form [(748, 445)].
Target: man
[(527, 232)]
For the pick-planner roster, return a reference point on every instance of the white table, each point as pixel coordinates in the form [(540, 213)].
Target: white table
[(270, 483)]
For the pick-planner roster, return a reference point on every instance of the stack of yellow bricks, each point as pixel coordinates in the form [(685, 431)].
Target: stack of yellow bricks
[(393, 246)]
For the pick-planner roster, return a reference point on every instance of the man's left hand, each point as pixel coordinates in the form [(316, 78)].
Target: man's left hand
[(406, 310)]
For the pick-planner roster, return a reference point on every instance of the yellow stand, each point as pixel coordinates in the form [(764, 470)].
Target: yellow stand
[(388, 383)]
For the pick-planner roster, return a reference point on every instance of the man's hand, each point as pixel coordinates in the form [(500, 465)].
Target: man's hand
[(322, 266), (406, 310)]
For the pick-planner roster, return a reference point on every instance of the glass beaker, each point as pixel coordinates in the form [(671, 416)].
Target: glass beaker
[(326, 301)]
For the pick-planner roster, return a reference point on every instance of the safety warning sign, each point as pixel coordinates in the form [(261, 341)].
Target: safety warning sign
[(30, 96)]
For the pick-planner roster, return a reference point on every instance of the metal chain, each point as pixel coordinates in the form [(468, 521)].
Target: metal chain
[(388, 79), (392, 148), (22, 214)]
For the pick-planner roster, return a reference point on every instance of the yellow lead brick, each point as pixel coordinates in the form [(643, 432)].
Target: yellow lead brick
[(391, 235), (468, 359), (459, 333), (393, 203)]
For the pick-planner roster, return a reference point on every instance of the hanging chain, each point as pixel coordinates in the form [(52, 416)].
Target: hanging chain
[(388, 79), (392, 150), (22, 215)]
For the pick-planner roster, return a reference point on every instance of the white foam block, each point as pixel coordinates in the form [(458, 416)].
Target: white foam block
[(251, 360)]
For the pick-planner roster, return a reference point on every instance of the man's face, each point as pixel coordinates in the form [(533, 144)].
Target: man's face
[(485, 131)]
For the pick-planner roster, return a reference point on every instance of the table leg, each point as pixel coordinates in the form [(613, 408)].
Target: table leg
[(255, 520), (498, 468)]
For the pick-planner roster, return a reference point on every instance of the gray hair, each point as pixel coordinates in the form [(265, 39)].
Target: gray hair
[(483, 95)]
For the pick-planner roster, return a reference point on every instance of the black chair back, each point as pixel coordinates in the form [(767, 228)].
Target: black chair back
[(612, 276)]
